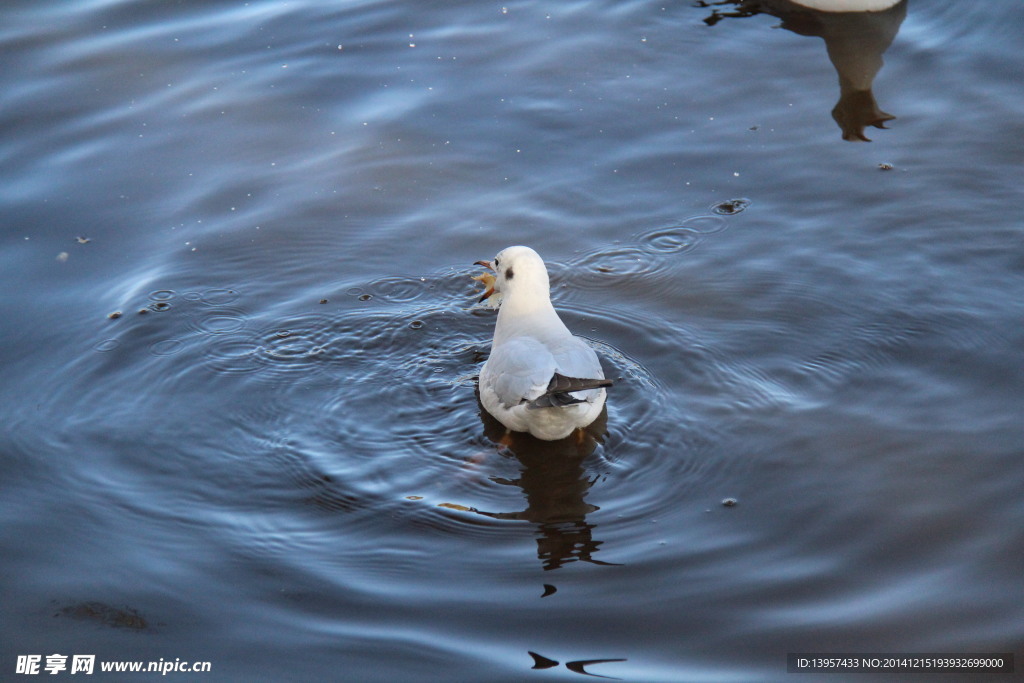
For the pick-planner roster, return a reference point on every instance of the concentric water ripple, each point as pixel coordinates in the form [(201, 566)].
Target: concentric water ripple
[(218, 321), (106, 345), (397, 289), (166, 347), (232, 356), (162, 295), (670, 240), (649, 257), (382, 396), (705, 225), (610, 267), (218, 297), (296, 346)]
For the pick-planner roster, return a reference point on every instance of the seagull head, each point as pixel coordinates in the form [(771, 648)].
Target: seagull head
[(518, 272)]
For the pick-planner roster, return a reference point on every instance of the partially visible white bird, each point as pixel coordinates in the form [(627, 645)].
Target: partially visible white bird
[(539, 378)]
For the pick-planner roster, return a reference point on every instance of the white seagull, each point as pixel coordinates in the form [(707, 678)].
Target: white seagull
[(539, 378)]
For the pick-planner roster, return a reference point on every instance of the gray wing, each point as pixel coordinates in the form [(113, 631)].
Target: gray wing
[(575, 358), (525, 370), (518, 370)]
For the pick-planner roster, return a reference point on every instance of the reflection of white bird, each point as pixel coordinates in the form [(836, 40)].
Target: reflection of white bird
[(856, 33), (847, 5), (539, 378)]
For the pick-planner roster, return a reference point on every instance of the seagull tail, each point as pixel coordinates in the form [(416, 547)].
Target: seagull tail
[(561, 388)]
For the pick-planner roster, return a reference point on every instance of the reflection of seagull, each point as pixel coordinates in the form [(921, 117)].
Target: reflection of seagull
[(539, 378), (542, 662), (856, 34), (556, 485), (847, 5)]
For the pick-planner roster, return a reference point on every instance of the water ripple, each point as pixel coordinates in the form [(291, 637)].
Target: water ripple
[(605, 267), (705, 225), (166, 347), (218, 321), (218, 297), (232, 356), (106, 345), (669, 240), (397, 289), (295, 346), (647, 257)]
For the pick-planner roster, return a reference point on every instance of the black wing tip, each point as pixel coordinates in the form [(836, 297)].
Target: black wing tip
[(560, 390), (562, 383)]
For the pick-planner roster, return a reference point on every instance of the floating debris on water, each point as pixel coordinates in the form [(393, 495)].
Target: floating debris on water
[(729, 502), (455, 506), (115, 617), (115, 315), (730, 207)]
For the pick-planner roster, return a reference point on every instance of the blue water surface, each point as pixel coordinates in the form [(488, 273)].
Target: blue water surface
[(240, 338)]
